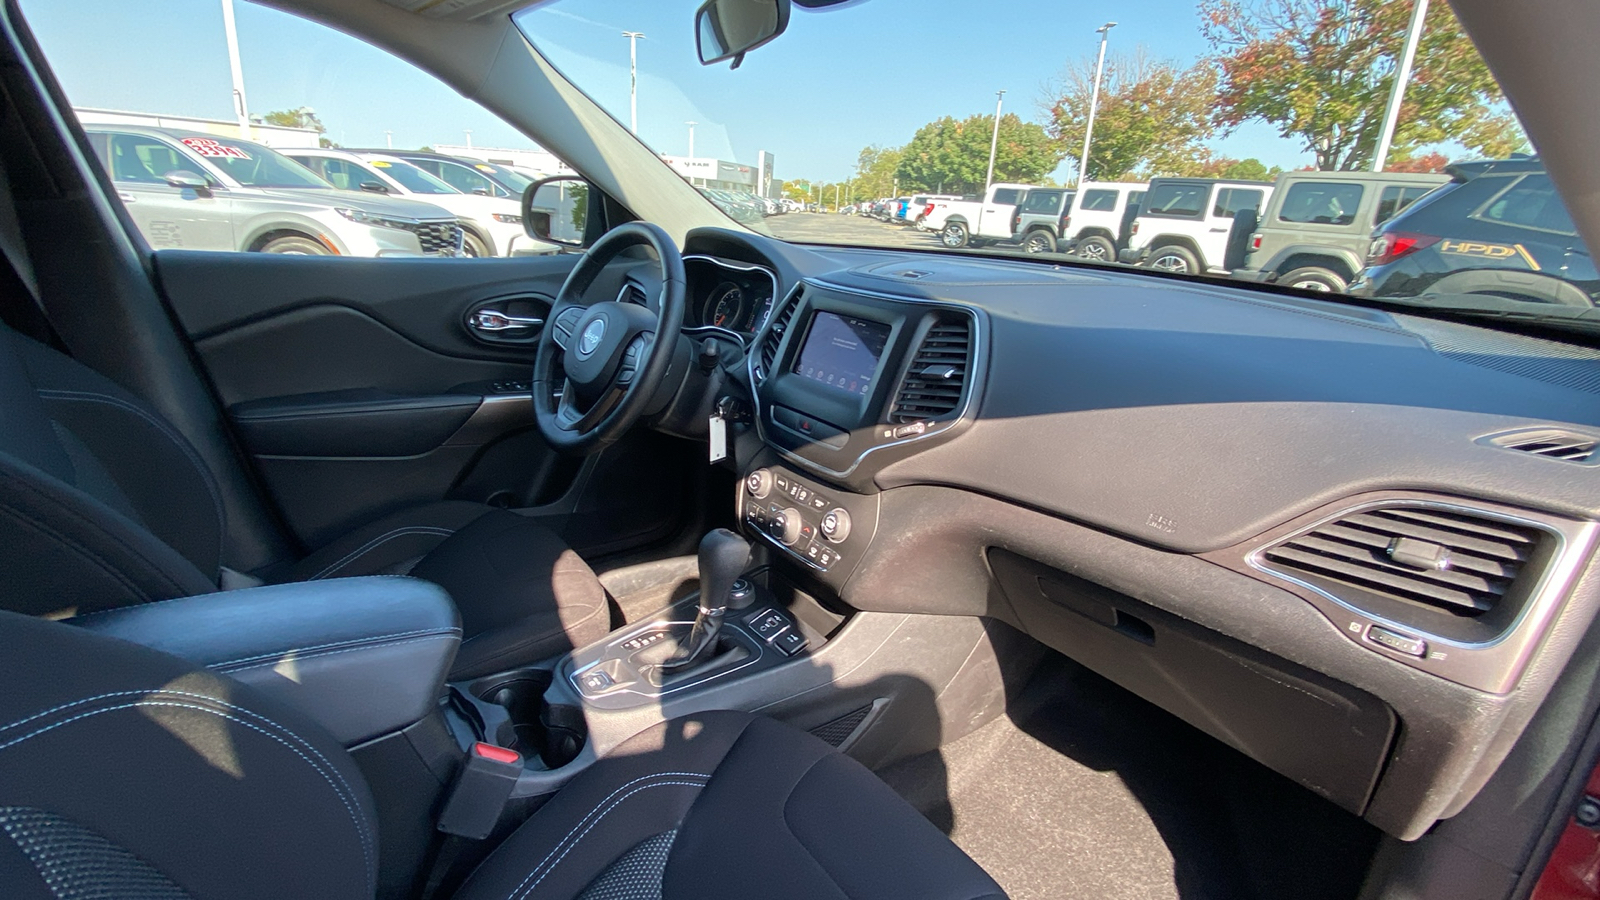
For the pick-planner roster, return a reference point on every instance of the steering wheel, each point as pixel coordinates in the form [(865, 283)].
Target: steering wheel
[(606, 358)]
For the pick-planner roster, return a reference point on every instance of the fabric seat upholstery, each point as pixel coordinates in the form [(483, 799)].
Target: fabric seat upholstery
[(103, 504), (132, 774)]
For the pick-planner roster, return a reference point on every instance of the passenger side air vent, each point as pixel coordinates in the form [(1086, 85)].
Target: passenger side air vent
[(781, 316), (1552, 442), (938, 372), (1457, 562)]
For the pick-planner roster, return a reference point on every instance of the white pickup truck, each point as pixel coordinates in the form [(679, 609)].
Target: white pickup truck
[(961, 223)]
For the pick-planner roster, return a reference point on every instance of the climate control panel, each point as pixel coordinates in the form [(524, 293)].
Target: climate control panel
[(823, 527)]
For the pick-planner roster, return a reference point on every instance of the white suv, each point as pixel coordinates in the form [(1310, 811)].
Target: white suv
[(492, 225), (1185, 223), (1093, 226)]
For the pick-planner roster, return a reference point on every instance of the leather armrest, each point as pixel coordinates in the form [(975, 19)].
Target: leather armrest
[(362, 656)]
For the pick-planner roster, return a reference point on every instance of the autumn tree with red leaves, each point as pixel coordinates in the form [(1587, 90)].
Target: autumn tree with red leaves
[(1321, 70)]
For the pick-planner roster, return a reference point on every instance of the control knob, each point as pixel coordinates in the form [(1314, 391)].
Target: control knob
[(759, 483), (786, 526), (835, 525)]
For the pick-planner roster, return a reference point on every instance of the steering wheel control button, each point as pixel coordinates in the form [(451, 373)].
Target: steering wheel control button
[(790, 642), (768, 624), (759, 483), (836, 525), (1399, 643)]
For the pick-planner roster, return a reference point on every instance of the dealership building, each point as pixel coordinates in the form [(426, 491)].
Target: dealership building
[(722, 175)]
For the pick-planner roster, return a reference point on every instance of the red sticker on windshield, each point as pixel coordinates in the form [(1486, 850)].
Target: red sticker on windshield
[(214, 149)]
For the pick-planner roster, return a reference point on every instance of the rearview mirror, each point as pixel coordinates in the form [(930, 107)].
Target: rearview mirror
[(728, 29), (556, 210)]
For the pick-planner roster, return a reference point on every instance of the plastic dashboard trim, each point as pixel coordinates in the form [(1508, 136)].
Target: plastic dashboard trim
[(979, 368)]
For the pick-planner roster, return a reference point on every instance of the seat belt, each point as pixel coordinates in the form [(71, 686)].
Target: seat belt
[(20, 303)]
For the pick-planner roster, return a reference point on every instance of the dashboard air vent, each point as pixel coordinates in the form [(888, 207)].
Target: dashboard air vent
[(938, 372), (781, 317), (632, 293), (1452, 561), (1552, 442)]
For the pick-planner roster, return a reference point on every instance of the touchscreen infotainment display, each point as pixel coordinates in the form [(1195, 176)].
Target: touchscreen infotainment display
[(842, 352)]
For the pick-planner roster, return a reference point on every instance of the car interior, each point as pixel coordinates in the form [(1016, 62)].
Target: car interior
[(693, 562)]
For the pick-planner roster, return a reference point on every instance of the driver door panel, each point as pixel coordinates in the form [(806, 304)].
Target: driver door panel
[(358, 386)]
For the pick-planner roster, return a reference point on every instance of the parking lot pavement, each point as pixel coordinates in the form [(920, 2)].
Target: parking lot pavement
[(832, 228)]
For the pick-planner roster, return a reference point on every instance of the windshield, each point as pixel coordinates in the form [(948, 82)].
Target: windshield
[(1255, 128), (410, 177), (253, 165), (511, 180)]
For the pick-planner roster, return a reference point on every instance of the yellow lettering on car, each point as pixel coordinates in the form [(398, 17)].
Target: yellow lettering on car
[(1477, 248)]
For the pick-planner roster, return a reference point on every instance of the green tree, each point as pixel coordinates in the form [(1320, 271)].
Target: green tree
[(1153, 115), (876, 170), (952, 156), (1321, 70), (304, 117)]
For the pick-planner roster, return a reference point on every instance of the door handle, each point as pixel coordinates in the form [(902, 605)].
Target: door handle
[(125, 197), (493, 321), (1219, 231)]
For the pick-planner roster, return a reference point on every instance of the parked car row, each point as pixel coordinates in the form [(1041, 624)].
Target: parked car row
[(202, 191), (743, 206), (1481, 233)]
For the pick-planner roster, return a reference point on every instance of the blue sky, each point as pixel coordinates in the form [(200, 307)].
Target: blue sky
[(870, 72)]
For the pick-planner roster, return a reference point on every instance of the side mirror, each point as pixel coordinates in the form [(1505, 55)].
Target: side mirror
[(179, 178), (480, 192), (556, 210), (728, 29), (374, 187)]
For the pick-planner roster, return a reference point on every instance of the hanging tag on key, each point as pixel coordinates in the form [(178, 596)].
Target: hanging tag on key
[(719, 437)]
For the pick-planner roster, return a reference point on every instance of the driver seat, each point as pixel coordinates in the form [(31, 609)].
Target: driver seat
[(103, 504)]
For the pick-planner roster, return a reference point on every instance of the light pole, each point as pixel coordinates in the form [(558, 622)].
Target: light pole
[(994, 142), (691, 125), (240, 108), (1391, 116), (633, 79), (388, 139), (468, 133), (1094, 98)]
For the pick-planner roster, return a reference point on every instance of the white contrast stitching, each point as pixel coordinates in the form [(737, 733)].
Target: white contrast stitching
[(318, 655), (518, 892), (355, 818), (375, 639), (189, 694), (375, 542)]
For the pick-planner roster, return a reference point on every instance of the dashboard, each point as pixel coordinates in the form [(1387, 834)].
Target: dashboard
[(1312, 529), (730, 295)]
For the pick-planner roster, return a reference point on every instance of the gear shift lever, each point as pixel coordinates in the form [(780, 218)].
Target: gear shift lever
[(723, 556)]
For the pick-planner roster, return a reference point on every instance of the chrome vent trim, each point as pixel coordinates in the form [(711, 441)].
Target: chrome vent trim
[(937, 377), (773, 338), (1553, 443), (1457, 562)]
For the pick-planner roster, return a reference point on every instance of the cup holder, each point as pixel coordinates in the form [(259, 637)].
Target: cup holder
[(551, 734)]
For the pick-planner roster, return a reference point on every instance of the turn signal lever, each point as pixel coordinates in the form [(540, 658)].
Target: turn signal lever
[(723, 555)]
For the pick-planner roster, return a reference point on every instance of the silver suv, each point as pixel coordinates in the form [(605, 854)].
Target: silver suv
[(201, 191)]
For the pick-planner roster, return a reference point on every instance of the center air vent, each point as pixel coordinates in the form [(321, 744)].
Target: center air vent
[(938, 372), (1552, 442), (1403, 562), (774, 336)]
